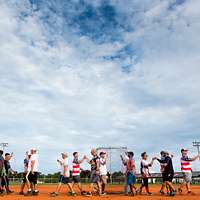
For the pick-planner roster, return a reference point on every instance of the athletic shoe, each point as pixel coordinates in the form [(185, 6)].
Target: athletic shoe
[(180, 190), (83, 193), (89, 194), (29, 193), (72, 193), (35, 193), (189, 192), (172, 193), (54, 194), (149, 193), (21, 193), (2, 192), (162, 192)]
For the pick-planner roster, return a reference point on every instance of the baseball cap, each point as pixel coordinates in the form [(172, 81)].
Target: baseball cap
[(34, 149)]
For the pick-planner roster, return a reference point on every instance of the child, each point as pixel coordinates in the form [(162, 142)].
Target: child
[(76, 172), (144, 168), (131, 172), (103, 170), (64, 177), (186, 168)]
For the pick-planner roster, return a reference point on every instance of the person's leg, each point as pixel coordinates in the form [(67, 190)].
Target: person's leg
[(146, 183), (28, 179), (70, 188)]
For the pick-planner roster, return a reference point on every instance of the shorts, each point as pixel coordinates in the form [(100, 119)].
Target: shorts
[(131, 178), (187, 177), (76, 179), (94, 178), (32, 178), (104, 179), (168, 177), (64, 180)]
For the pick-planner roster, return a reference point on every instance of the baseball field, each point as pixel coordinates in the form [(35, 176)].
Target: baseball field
[(114, 192)]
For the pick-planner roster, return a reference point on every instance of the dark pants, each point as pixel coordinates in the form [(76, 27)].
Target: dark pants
[(5, 182)]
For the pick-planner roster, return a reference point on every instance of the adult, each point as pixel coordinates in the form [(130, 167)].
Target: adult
[(186, 168)]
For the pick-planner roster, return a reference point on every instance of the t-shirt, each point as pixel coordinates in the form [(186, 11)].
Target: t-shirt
[(144, 168), (34, 157), (169, 169), (131, 166), (94, 162), (65, 163), (76, 167), (102, 166), (25, 165), (1, 163), (186, 164), (7, 166)]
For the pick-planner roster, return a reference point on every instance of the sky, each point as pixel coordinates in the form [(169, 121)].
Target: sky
[(79, 74)]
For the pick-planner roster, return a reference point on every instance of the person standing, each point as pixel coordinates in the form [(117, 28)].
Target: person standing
[(24, 183), (144, 169), (103, 170), (186, 168), (76, 170), (124, 160), (2, 172), (95, 173), (131, 173), (8, 170), (64, 176), (168, 173), (32, 174)]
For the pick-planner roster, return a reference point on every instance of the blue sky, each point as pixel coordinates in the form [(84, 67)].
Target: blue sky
[(79, 74)]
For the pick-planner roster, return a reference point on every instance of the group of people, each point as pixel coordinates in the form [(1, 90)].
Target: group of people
[(70, 173), (29, 176), (166, 168)]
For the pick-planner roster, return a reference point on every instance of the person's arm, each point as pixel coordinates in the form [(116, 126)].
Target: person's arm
[(123, 160), (65, 170), (98, 165), (194, 158), (81, 161), (32, 166), (88, 160)]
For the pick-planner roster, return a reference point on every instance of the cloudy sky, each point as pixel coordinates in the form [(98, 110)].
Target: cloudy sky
[(79, 74)]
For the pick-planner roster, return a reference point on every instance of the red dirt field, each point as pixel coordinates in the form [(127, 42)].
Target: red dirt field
[(46, 189)]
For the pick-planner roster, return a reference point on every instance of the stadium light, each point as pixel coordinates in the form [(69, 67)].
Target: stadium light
[(197, 145), (4, 145)]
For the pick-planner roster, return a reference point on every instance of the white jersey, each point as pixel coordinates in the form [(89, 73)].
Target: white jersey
[(102, 166), (33, 157), (65, 163)]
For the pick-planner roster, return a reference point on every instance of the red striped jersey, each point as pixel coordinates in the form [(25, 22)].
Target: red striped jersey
[(76, 169), (186, 165)]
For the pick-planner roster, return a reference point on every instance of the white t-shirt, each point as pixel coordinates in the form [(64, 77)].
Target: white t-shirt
[(102, 166), (34, 157), (65, 163)]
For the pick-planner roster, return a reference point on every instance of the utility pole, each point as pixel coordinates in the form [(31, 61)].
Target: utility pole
[(197, 145), (4, 145)]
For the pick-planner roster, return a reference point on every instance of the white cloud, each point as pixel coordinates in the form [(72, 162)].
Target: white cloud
[(64, 97)]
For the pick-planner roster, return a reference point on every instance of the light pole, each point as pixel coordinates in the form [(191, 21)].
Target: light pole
[(197, 145), (4, 145)]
